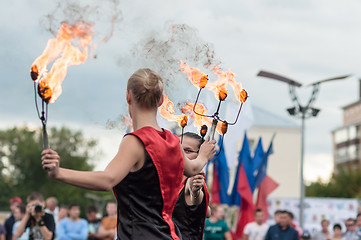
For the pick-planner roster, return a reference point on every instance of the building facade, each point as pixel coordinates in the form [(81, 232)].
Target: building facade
[(346, 139)]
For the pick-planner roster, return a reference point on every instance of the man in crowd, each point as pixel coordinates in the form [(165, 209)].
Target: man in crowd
[(358, 225), (107, 229), (324, 234), (19, 213), (93, 222), (277, 215), (306, 235), (215, 227), (41, 224), (73, 227), (256, 230), (52, 207), (9, 223), (350, 233), (282, 230)]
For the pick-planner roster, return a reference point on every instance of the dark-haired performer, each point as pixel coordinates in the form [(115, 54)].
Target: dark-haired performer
[(192, 205), (147, 171)]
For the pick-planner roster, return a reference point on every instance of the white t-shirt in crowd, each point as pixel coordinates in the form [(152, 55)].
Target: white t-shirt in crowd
[(255, 231)]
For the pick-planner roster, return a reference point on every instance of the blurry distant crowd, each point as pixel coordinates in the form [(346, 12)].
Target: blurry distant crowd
[(45, 219)]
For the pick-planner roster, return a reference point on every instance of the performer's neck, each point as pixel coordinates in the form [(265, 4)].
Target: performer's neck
[(145, 118)]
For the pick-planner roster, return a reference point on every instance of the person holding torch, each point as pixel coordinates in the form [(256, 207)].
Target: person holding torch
[(147, 171)]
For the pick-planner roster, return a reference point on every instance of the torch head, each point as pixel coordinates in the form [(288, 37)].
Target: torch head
[(222, 95), (224, 127), (203, 81), (44, 92), (243, 95), (204, 130), (184, 121), (34, 72)]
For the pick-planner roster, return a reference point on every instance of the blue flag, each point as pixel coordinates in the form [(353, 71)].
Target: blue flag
[(244, 156), (262, 170)]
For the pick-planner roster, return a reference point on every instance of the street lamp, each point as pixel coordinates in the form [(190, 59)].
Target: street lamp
[(303, 112)]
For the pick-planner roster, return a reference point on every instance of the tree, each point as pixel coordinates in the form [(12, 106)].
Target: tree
[(20, 164), (344, 183)]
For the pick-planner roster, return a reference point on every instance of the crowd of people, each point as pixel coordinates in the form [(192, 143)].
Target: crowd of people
[(40, 219), (285, 228)]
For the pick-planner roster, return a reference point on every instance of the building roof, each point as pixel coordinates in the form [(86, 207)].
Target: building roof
[(351, 104), (265, 118)]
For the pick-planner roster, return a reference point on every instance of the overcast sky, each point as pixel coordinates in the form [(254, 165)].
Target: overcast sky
[(304, 40)]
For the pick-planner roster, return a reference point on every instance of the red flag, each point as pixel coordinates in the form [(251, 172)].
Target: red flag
[(215, 189), (247, 206), (267, 186)]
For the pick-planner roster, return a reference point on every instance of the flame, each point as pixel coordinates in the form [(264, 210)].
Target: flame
[(199, 120), (198, 78), (70, 47), (127, 121), (166, 110)]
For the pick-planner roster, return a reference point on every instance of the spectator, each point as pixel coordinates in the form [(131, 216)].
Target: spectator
[(293, 224), (107, 229), (282, 230), (63, 213), (306, 235), (350, 233), (18, 215), (277, 215), (215, 227), (337, 233), (256, 230), (2, 232), (358, 225), (9, 223), (324, 234), (73, 227), (52, 207), (41, 224), (93, 222)]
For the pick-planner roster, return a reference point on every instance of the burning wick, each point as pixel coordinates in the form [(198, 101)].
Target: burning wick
[(183, 124), (203, 131)]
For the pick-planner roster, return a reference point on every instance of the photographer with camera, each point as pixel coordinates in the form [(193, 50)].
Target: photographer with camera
[(41, 224)]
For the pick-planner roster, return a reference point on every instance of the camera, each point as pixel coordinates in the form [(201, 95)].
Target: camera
[(38, 208)]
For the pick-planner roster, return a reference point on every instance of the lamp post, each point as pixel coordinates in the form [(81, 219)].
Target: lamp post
[(303, 112)]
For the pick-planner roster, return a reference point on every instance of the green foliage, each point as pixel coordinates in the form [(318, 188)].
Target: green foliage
[(346, 183), (20, 164)]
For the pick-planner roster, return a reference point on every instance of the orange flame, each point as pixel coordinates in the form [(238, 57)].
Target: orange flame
[(222, 95), (243, 95), (166, 110), (196, 77), (199, 120), (70, 47), (224, 127)]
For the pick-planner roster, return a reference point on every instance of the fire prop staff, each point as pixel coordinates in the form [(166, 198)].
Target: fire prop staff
[(200, 80), (70, 47)]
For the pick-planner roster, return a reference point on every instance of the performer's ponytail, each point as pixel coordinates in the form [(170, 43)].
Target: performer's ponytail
[(146, 87)]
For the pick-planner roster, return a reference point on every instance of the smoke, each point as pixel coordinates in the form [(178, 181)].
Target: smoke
[(104, 17), (162, 50)]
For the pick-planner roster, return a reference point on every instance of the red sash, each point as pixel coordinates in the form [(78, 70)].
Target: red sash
[(165, 152)]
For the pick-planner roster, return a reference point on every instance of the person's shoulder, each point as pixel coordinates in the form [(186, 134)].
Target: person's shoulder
[(48, 217)]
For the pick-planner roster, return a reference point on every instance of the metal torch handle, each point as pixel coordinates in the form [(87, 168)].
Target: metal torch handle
[(213, 128), (45, 138)]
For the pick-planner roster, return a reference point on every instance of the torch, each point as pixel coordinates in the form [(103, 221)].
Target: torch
[(183, 123), (44, 92), (70, 47)]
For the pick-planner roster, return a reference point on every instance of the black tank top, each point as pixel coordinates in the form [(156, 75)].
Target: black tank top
[(140, 205), (190, 219)]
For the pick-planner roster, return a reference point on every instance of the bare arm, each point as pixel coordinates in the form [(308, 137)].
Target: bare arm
[(24, 221), (131, 152), (245, 237), (206, 153)]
